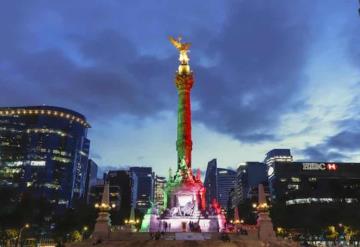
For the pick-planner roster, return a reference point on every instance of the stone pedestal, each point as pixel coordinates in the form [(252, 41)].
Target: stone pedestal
[(265, 226), (102, 226)]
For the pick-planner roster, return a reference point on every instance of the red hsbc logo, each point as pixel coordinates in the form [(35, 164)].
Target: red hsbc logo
[(331, 167), (320, 166)]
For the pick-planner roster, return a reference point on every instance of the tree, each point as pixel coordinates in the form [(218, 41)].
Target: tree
[(74, 219), (75, 236), (7, 235)]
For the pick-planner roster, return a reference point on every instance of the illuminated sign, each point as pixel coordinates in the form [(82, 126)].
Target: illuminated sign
[(37, 163), (331, 167), (319, 167), (270, 171)]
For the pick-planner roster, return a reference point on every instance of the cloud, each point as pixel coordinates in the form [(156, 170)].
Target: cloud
[(261, 54), (320, 153), (96, 156), (345, 140), (87, 57), (115, 82), (336, 147), (341, 145), (353, 48), (248, 74)]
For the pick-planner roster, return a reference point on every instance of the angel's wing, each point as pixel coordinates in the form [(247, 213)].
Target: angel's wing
[(175, 42)]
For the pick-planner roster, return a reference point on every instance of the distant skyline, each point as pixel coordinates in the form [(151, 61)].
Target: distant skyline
[(268, 74)]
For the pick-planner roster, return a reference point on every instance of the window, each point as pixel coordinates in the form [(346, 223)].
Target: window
[(293, 186)]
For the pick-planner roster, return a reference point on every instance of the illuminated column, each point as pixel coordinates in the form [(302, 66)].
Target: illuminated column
[(184, 82)]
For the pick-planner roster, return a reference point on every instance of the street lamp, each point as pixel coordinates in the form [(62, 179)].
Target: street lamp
[(262, 207), (85, 228), (132, 223), (20, 232), (103, 206)]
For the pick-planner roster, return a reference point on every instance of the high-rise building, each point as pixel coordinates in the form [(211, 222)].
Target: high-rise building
[(276, 155), (96, 192), (44, 150), (326, 192), (122, 180), (249, 176), (160, 183), (296, 183), (237, 193), (91, 177), (210, 181), (142, 187), (225, 182), (218, 183)]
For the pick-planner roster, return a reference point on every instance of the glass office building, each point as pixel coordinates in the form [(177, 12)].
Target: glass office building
[(44, 150), (142, 187), (218, 183), (297, 183)]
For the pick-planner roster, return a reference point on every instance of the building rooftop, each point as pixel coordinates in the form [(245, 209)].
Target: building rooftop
[(53, 111)]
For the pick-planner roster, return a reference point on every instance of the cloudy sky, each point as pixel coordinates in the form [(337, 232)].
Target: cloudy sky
[(268, 74)]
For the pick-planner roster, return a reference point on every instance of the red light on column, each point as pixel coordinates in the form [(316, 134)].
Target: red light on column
[(332, 167)]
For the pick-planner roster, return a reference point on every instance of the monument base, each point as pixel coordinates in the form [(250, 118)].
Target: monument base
[(183, 224), (187, 224), (266, 230), (102, 226)]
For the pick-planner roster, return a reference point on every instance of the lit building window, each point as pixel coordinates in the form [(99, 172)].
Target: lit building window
[(293, 186)]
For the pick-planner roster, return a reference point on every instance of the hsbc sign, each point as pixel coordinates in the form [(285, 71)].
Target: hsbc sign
[(331, 167), (319, 167)]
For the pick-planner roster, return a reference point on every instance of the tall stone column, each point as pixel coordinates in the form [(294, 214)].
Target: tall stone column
[(184, 83)]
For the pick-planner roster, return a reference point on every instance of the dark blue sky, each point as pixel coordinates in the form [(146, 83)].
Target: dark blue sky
[(269, 74)]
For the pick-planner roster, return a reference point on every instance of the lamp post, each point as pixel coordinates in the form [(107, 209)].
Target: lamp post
[(132, 223), (20, 232), (84, 230), (262, 207), (237, 222)]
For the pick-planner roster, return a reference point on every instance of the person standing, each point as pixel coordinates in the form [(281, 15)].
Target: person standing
[(165, 226)]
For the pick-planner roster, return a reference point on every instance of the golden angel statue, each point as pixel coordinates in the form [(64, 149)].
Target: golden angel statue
[(183, 58), (182, 47)]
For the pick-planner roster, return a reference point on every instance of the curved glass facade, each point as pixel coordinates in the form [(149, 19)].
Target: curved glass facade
[(44, 150)]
